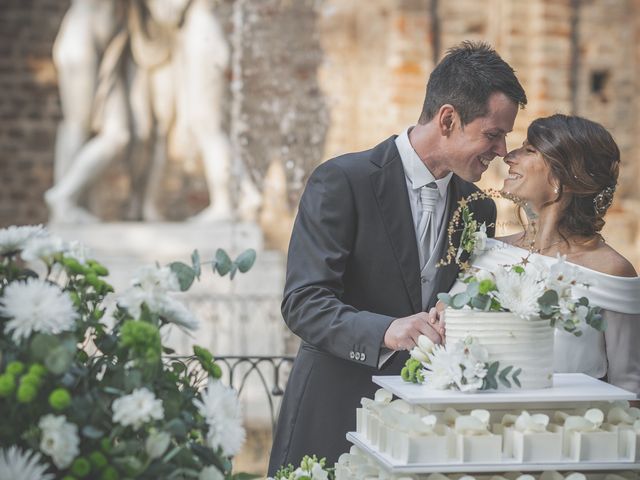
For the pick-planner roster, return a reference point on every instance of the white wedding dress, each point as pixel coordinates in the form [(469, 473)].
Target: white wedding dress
[(614, 354)]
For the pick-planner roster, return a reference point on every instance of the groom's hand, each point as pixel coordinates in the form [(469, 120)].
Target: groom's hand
[(403, 333)]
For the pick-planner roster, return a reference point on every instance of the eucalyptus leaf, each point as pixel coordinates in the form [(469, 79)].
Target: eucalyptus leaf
[(460, 300), (473, 289), (92, 432), (234, 270), (176, 427), (58, 360), (186, 274), (445, 298), (42, 343), (245, 260), (223, 262), (195, 262)]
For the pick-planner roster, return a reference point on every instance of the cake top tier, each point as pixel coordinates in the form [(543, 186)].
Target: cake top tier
[(567, 387)]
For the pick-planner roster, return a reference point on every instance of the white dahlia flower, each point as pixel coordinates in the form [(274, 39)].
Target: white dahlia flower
[(59, 439), (137, 408), (221, 410), (18, 465), (36, 306)]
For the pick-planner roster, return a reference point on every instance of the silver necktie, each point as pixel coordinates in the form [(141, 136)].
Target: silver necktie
[(427, 232)]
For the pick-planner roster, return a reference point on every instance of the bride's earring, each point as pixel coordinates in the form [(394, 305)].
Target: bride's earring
[(556, 190)]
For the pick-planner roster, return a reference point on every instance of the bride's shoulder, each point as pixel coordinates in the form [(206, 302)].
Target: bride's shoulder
[(606, 260)]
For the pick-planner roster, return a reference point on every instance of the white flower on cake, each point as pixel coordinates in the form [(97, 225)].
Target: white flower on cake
[(137, 408), (59, 439), (36, 306), (220, 408), (18, 465), (13, 239), (463, 365), (519, 292)]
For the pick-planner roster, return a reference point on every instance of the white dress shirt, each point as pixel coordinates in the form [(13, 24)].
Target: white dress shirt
[(418, 175)]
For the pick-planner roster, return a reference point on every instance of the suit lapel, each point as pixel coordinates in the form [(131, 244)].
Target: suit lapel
[(390, 189)]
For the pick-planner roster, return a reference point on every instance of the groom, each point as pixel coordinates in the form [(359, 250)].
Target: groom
[(370, 230)]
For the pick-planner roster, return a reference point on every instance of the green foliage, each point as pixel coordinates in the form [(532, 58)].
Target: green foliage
[(505, 376), (412, 371), (306, 465), (79, 373)]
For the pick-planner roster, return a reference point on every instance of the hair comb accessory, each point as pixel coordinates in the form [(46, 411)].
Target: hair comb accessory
[(603, 200)]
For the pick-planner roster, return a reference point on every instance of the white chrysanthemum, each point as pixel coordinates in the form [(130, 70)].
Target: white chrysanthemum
[(18, 465), (14, 238), (152, 278), (210, 473), (176, 312), (444, 369), (137, 408), (59, 439), (169, 308), (519, 292), (36, 306), (43, 248), (221, 409)]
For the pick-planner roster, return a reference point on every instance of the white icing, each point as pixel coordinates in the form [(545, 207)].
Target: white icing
[(510, 340)]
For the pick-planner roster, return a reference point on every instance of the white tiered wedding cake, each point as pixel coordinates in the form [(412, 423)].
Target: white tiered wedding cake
[(525, 344)]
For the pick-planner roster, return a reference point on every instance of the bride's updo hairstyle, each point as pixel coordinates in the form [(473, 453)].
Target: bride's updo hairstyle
[(584, 159)]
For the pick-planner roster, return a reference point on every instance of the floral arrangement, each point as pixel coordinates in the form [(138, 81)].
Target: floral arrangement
[(88, 391), (464, 366), (310, 469), (528, 289), (531, 289)]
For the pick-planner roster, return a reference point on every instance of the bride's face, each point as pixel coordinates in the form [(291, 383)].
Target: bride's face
[(529, 176)]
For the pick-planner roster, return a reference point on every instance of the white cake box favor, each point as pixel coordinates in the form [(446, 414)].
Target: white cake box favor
[(474, 443), (538, 447), (628, 442), (530, 439), (414, 447), (596, 446)]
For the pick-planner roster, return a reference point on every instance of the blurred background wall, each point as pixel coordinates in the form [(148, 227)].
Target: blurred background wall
[(310, 79)]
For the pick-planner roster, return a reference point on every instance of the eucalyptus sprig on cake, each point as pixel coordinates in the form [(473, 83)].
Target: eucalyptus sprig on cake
[(83, 397)]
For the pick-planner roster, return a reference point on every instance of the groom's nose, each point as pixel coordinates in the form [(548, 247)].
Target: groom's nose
[(501, 149)]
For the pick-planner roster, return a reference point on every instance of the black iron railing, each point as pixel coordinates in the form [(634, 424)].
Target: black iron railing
[(272, 371)]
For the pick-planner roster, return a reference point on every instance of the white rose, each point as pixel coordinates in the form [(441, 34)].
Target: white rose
[(138, 408), (59, 439)]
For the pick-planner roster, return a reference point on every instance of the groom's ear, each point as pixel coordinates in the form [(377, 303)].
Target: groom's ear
[(446, 119)]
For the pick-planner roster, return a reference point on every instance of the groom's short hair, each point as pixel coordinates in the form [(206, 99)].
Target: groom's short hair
[(465, 78)]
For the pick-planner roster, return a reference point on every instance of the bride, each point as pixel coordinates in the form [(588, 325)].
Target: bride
[(566, 172)]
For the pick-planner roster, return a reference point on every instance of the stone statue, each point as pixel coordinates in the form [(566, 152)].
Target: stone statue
[(142, 78)]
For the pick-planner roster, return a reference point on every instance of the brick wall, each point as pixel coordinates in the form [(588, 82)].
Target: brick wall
[(29, 106)]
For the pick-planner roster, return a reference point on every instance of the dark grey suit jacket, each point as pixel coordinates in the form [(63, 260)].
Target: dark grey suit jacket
[(352, 269)]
